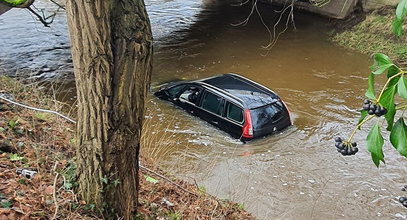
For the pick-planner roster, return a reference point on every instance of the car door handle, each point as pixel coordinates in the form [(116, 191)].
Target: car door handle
[(215, 122)]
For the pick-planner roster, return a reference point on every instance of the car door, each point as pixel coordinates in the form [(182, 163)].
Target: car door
[(234, 119), (212, 108)]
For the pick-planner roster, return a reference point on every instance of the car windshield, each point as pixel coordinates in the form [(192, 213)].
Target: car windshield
[(173, 91), (267, 115)]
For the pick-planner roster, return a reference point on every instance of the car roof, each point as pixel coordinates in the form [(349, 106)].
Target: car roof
[(249, 93)]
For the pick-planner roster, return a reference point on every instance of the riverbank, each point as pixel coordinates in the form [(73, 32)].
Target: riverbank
[(37, 169), (373, 34)]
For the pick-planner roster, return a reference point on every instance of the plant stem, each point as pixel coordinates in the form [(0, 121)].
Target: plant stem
[(358, 127), (388, 80), (401, 107)]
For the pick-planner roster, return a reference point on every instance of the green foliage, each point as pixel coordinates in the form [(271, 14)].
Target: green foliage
[(14, 3), (12, 123), (396, 85), (202, 189), (398, 137), (240, 206), (41, 116), (89, 207), (402, 87), (15, 157), (387, 101), (401, 12), (151, 180), (370, 93), (375, 143), (22, 181), (69, 174), (175, 216), (6, 204)]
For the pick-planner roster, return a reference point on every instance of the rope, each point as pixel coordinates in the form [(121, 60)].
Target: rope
[(37, 109)]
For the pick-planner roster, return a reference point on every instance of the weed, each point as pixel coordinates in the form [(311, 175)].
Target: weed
[(202, 189), (15, 157), (89, 207), (175, 216), (22, 181), (240, 206), (6, 204), (12, 123), (41, 116)]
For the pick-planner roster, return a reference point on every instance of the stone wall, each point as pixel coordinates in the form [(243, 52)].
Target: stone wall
[(369, 5)]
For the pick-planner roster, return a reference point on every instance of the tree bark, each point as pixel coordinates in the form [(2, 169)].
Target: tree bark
[(111, 48)]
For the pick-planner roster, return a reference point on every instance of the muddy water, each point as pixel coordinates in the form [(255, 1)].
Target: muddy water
[(293, 175)]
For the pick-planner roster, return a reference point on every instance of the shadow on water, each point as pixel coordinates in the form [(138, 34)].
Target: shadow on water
[(293, 175)]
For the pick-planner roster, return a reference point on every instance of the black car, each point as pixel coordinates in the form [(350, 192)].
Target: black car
[(235, 104)]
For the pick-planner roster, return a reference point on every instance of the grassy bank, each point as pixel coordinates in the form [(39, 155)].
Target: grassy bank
[(44, 143), (374, 34)]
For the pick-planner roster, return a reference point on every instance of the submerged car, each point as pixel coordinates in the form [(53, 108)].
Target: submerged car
[(233, 103)]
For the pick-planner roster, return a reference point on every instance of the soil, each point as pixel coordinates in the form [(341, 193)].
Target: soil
[(37, 170)]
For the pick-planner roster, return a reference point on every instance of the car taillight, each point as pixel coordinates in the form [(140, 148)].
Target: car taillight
[(248, 126)]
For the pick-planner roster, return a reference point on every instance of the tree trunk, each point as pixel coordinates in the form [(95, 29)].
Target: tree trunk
[(111, 49)]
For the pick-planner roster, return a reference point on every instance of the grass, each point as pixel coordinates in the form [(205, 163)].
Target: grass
[(374, 35)]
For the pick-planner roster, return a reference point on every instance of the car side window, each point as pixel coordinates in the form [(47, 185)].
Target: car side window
[(172, 92), (190, 94), (234, 113), (213, 103)]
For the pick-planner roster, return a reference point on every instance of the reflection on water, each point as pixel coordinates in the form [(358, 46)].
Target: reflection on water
[(293, 175)]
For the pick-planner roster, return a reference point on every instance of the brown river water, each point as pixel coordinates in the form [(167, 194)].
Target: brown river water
[(296, 174)]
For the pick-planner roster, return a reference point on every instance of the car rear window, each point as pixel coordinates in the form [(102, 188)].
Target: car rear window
[(213, 103), (234, 113), (267, 115)]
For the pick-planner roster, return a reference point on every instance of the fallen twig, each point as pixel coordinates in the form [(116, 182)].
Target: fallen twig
[(54, 194)]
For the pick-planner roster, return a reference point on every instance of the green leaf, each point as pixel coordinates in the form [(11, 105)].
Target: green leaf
[(398, 136), (116, 182), (40, 116), (376, 160), (2, 129), (6, 204), (387, 101), (89, 207), (382, 69), (402, 87), (104, 180), (397, 27), (363, 114), (393, 70), (12, 123), (68, 185), (15, 157), (370, 93), (381, 59), (151, 180), (375, 143), (401, 9)]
